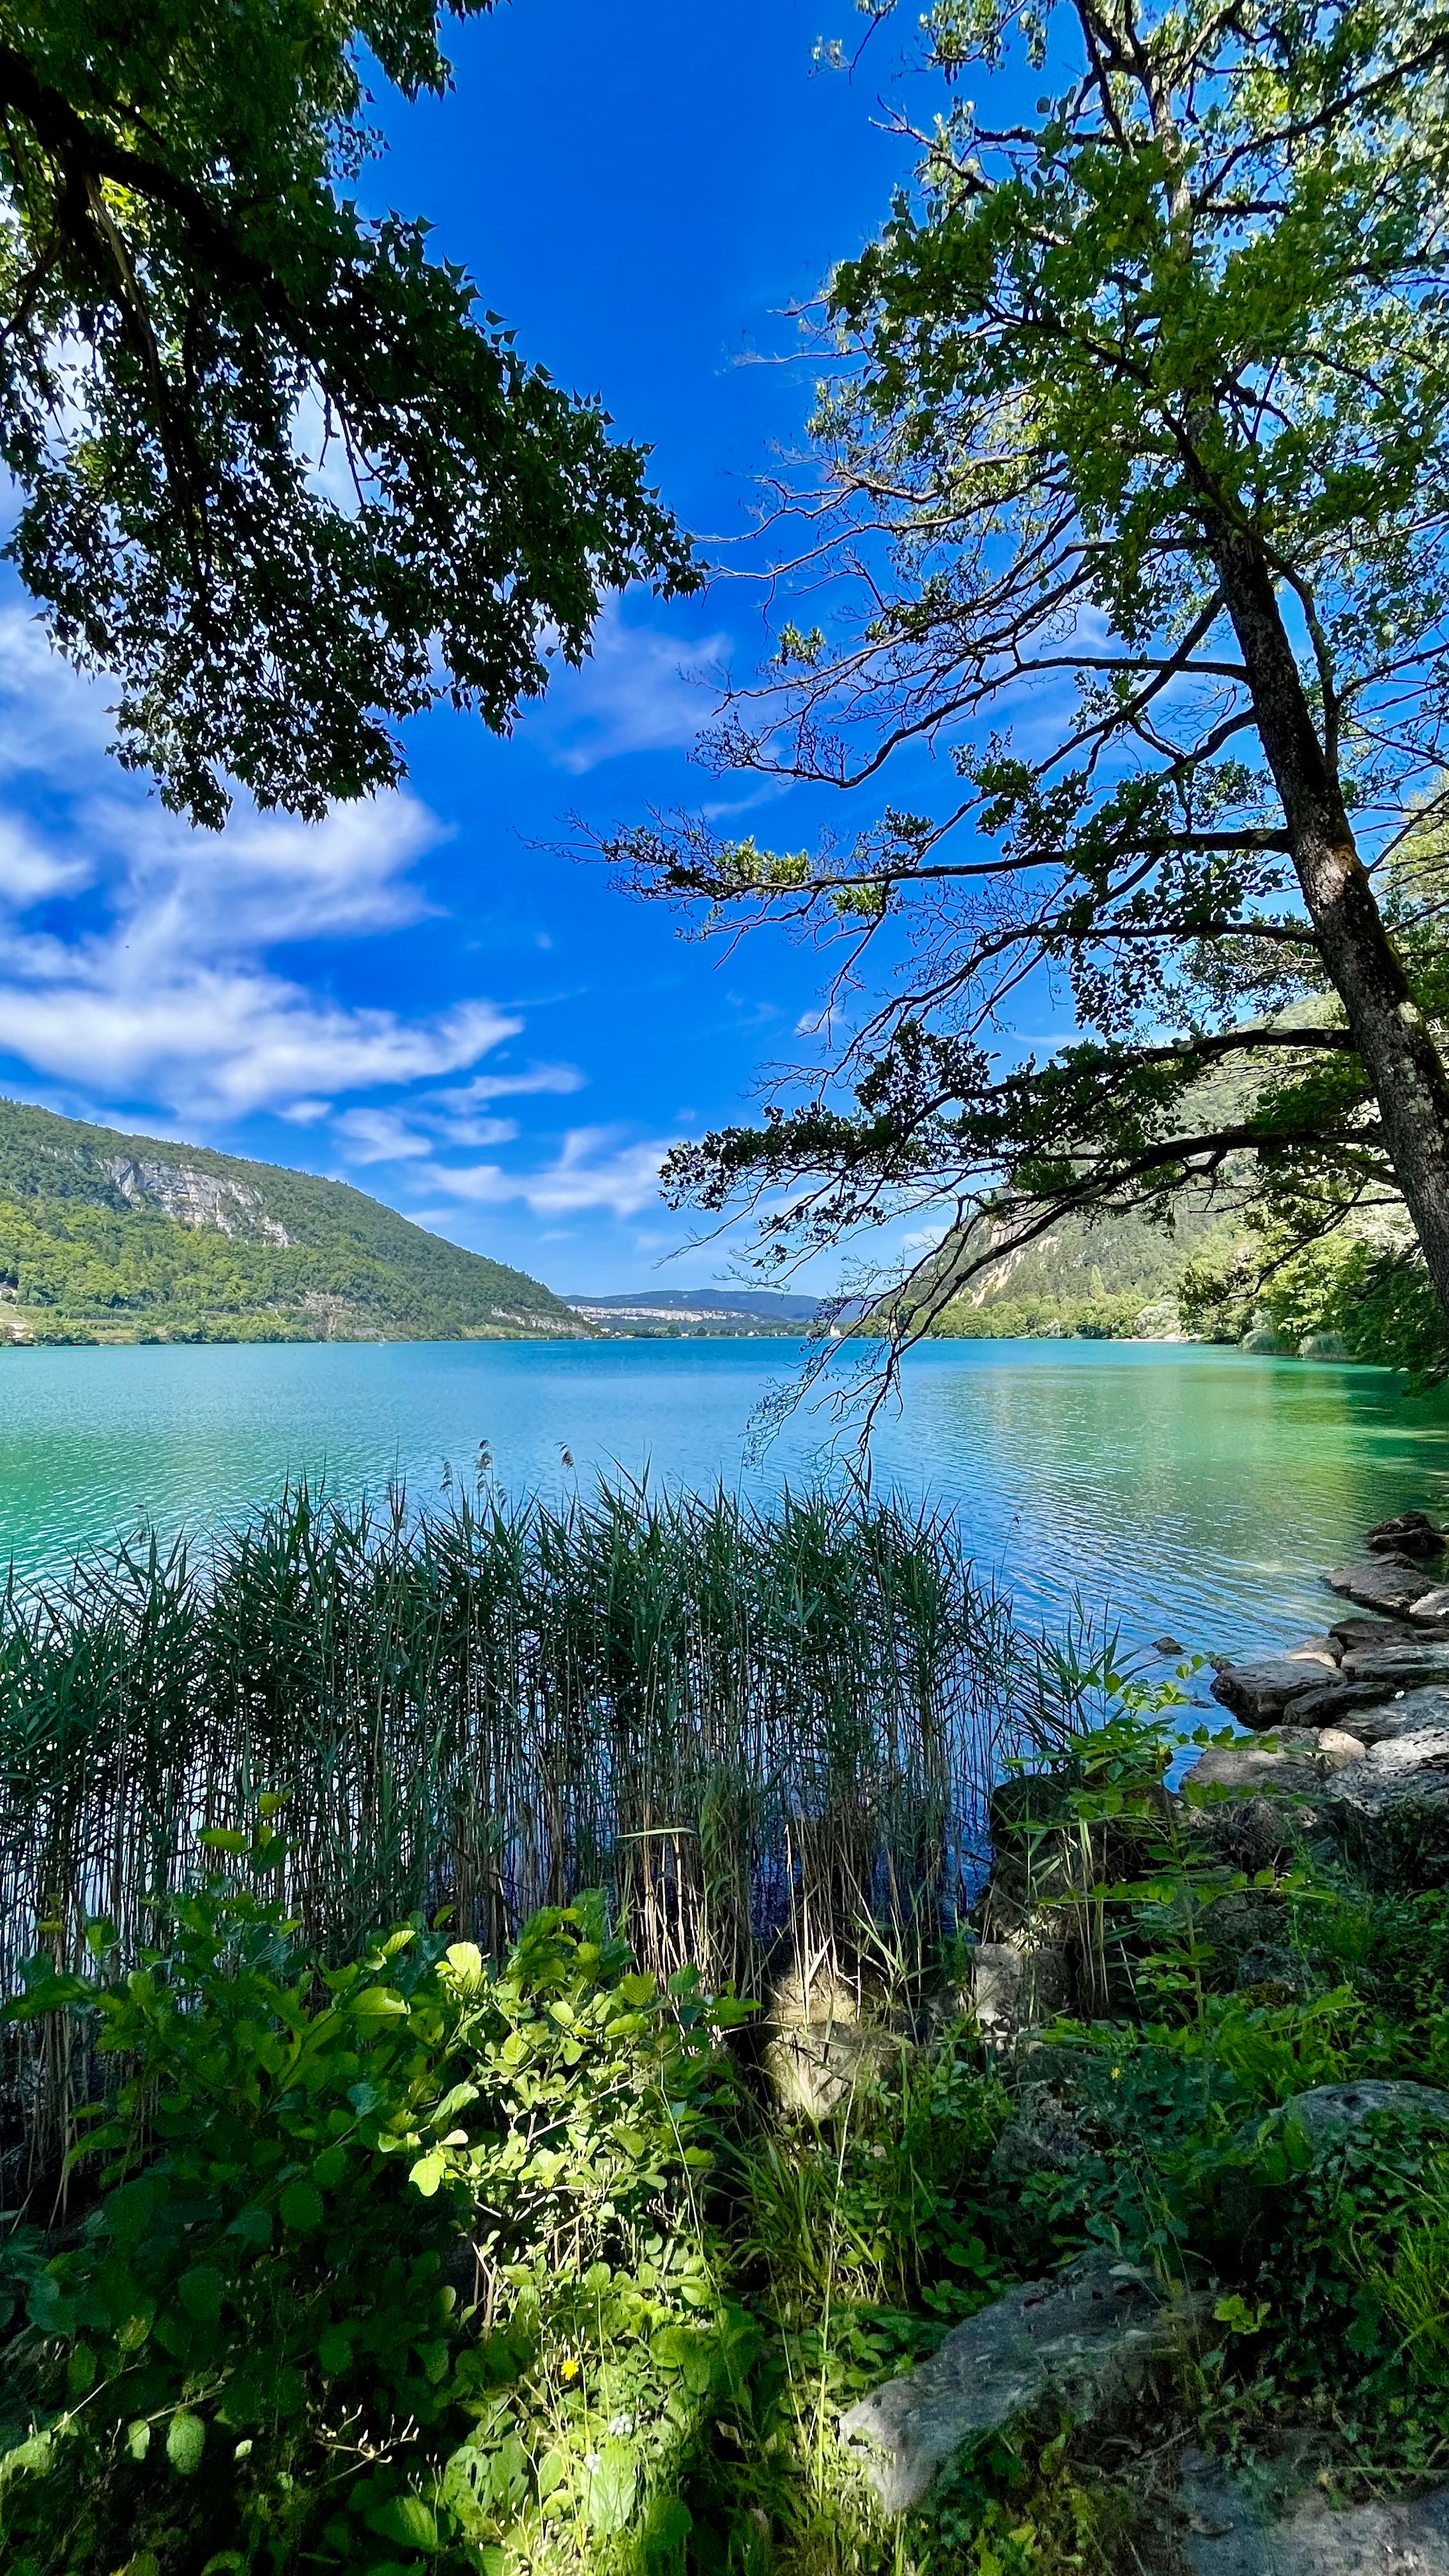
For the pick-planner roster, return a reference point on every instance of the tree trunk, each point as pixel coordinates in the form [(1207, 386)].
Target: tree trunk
[(1394, 1041)]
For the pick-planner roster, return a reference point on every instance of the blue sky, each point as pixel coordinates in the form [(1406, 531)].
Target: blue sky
[(422, 995)]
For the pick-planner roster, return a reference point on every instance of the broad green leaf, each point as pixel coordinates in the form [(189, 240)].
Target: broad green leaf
[(300, 2207), (185, 2442), (407, 2519)]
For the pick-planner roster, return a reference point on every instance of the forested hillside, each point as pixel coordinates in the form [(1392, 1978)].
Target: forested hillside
[(111, 1237)]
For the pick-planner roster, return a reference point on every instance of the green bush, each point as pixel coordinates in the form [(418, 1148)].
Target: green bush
[(375, 2248)]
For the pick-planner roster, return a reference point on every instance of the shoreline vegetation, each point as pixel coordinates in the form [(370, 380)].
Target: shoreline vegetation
[(668, 2040)]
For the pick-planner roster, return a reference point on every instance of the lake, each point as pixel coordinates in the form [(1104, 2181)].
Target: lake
[(1191, 1492)]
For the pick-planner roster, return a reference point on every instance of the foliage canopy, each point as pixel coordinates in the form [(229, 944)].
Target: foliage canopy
[(279, 474), (1133, 517)]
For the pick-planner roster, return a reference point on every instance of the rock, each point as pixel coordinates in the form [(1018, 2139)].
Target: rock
[(1323, 1346), (1083, 2337), (1168, 1646), (1381, 1583), (1432, 1605), (1341, 1703), (1286, 2527), (1334, 2110), (1259, 1692), (1414, 1712), (1286, 1763), (1040, 2137), (1404, 1664), (1407, 1769), (1409, 1534), (1016, 1982), (1337, 1748), (817, 2068)]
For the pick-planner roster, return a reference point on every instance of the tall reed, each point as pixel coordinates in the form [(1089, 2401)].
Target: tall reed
[(755, 1726)]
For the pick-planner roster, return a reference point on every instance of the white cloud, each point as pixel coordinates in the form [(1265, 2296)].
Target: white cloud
[(218, 1044), (163, 990), (591, 1169), (640, 690), (382, 1136), (513, 1086)]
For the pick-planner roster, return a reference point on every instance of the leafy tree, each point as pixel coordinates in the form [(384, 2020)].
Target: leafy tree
[(278, 474), (1139, 446)]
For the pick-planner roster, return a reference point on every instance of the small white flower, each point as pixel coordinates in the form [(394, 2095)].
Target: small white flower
[(620, 2425), (591, 2461)]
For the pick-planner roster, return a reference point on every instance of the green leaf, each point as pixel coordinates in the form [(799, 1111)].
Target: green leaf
[(609, 2488), (185, 2442), (80, 2370), (200, 2292), (334, 2349), (300, 2207), (407, 2519), (376, 2003), (138, 2438), (428, 2172)]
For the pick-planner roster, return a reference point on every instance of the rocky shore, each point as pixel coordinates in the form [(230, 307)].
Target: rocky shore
[(1342, 1759)]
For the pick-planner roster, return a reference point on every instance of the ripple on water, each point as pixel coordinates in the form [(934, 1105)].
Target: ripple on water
[(1196, 1492)]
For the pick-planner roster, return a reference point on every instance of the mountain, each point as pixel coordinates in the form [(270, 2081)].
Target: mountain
[(1118, 1275), (697, 1312), (109, 1237)]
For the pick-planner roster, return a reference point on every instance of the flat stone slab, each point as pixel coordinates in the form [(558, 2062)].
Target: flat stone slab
[(1287, 1763), (1242, 2527), (1083, 2336), (1433, 1605), (1403, 1665), (1259, 1692), (1381, 1583)]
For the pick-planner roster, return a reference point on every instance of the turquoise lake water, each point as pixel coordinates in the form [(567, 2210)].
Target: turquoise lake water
[(1191, 1492)]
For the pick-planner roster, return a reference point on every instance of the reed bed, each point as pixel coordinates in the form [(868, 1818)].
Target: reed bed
[(763, 1730)]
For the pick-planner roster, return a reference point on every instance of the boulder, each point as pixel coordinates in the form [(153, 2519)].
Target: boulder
[(815, 2069), (1408, 1534), (1382, 1583), (1287, 1762), (1082, 2338), (1284, 2525), (1261, 1691), (1335, 2110), (1342, 1703), (1409, 1712), (1432, 1605), (1016, 1982), (1407, 1769), (1401, 1664)]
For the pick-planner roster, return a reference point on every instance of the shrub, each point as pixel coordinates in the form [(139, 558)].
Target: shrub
[(362, 2232)]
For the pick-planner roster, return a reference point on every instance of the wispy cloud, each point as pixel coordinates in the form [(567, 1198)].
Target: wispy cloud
[(162, 988), (384, 1136), (640, 690), (593, 1168)]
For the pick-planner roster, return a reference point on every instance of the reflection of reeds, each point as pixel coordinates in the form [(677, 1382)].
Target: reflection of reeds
[(747, 1723)]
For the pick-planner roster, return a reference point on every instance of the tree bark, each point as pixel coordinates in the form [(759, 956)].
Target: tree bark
[(1394, 1041)]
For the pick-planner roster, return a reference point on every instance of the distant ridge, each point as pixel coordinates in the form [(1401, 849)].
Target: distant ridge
[(697, 1311), (106, 1236)]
